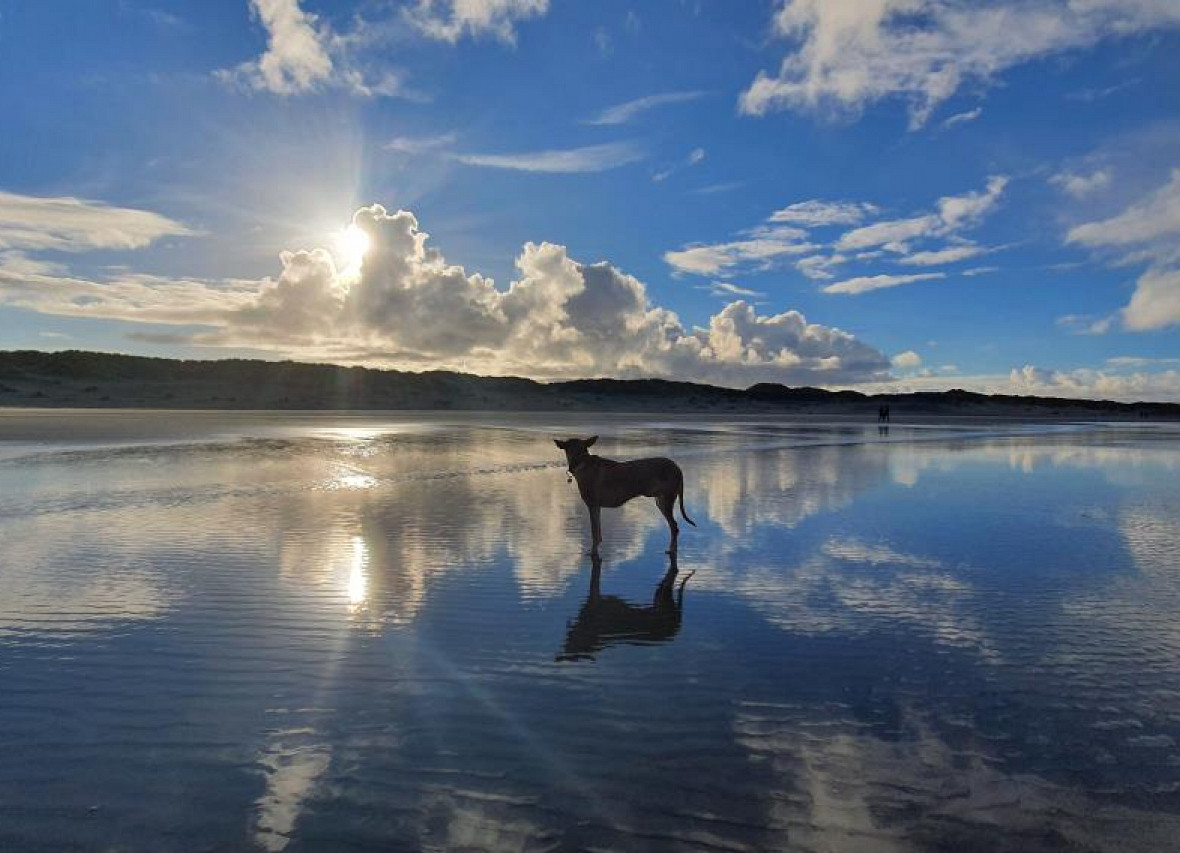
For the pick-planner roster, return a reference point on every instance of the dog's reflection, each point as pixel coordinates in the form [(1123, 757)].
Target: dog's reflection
[(607, 620)]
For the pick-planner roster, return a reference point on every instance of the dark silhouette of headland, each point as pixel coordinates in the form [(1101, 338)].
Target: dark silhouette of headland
[(76, 379)]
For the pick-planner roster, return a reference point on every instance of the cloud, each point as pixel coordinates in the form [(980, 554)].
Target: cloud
[(819, 267), (406, 306), (712, 189), (1080, 186), (962, 118), (694, 158), (724, 288), (419, 144), (1148, 231), (1113, 383), (942, 256), (1081, 324), (815, 212), (890, 233), (304, 56), (68, 224), (787, 234), (908, 360), (591, 158), (624, 112), (761, 252), (451, 20), (863, 284), (845, 56), (954, 213)]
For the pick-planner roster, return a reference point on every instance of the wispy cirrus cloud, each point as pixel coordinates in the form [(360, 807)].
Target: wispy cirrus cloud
[(68, 224), (589, 158), (694, 158), (863, 284), (625, 112), (420, 144), (961, 118), (795, 235), (761, 251)]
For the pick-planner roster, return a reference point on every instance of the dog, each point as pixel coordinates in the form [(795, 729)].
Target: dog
[(605, 482)]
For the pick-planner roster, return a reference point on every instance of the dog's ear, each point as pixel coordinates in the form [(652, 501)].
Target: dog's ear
[(559, 443), (590, 441)]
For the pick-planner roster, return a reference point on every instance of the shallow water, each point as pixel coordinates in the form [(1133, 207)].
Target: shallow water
[(309, 632)]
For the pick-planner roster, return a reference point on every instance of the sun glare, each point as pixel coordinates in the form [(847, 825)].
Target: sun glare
[(351, 245)]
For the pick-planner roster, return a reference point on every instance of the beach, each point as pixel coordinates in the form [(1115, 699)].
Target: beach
[(301, 631)]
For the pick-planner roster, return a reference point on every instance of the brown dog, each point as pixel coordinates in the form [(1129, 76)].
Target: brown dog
[(605, 482)]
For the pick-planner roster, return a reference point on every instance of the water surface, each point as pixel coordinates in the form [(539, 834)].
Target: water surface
[(307, 632)]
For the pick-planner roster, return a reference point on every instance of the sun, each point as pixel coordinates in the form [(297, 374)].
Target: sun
[(351, 245)]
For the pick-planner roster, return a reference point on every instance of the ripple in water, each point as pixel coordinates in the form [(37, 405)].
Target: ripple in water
[(305, 633)]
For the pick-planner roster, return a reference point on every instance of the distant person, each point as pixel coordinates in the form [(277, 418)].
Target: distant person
[(883, 415), (605, 482)]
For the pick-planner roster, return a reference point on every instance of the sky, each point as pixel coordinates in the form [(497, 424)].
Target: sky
[(868, 194)]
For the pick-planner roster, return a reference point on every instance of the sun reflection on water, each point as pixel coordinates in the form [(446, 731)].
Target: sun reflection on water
[(358, 575)]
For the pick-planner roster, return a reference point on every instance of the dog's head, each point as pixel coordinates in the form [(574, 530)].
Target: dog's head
[(576, 449)]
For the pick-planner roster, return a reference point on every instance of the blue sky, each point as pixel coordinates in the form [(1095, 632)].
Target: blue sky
[(882, 194)]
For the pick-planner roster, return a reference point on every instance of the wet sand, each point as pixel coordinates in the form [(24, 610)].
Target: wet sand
[(333, 631)]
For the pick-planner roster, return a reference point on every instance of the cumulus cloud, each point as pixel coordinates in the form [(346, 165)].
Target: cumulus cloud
[(302, 56), (1148, 231), (908, 360), (590, 158), (845, 56), (865, 283), (70, 224), (1113, 382), (623, 113), (405, 305), (1080, 186), (451, 20)]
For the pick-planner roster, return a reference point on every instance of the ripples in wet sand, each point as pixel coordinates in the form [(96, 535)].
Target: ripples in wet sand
[(307, 633)]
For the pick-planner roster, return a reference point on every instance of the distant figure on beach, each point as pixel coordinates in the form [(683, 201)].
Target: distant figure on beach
[(607, 620), (605, 482), (883, 415)]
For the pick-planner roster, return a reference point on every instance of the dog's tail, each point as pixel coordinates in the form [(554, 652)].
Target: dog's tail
[(684, 514)]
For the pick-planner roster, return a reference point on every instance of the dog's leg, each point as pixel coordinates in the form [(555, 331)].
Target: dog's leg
[(595, 529), (667, 503)]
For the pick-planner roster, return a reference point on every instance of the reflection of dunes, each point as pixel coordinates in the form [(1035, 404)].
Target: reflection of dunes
[(839, 789)]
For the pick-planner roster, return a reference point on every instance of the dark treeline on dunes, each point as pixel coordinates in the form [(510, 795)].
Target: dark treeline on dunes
[(100, 380)]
